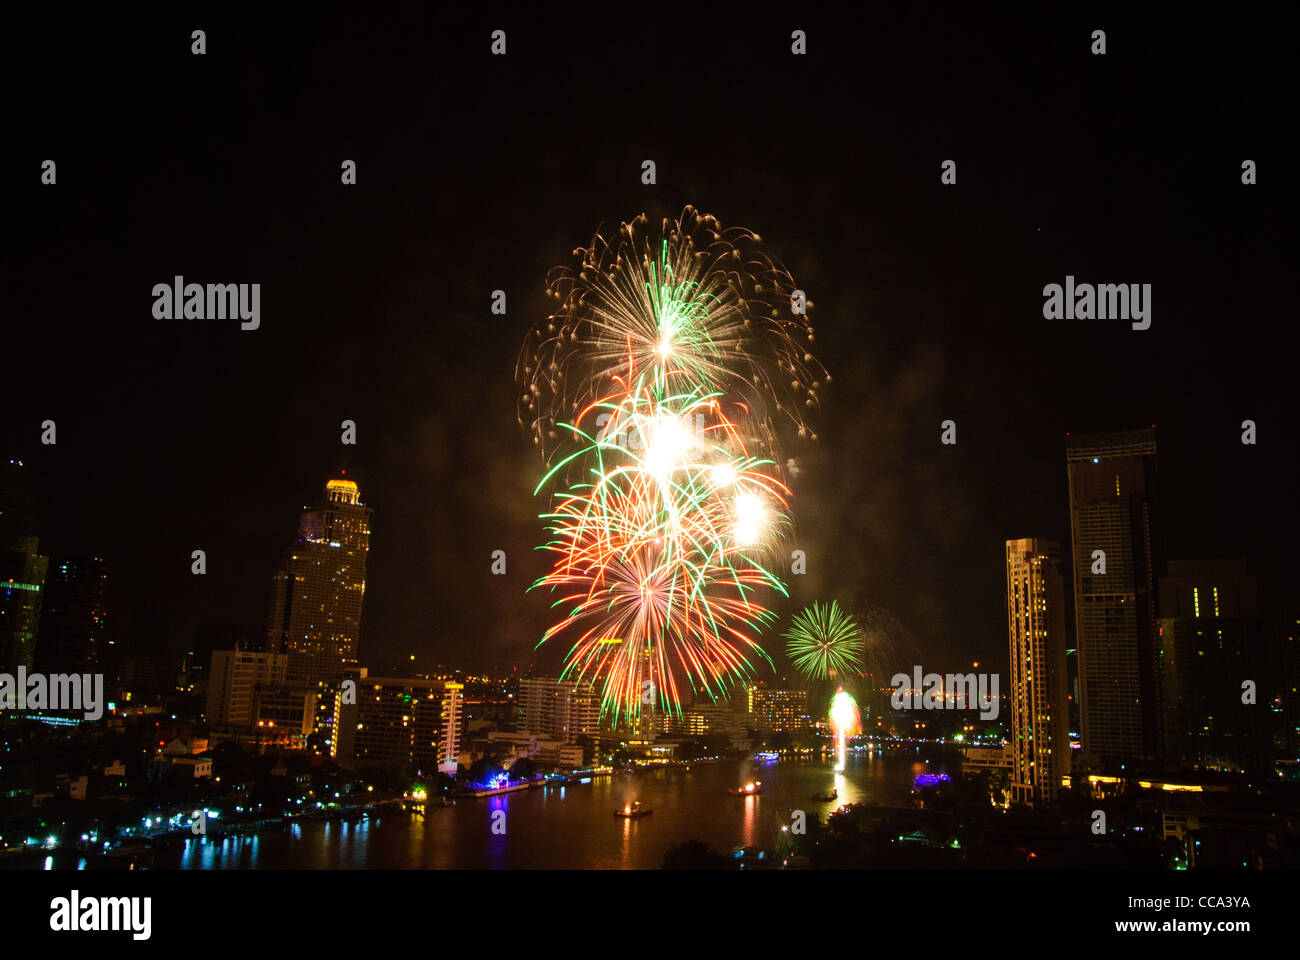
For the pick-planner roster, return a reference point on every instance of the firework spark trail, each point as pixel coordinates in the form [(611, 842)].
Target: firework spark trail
[(658, 550), (634, 632), (690, 298), (648, 393), (664, 468)]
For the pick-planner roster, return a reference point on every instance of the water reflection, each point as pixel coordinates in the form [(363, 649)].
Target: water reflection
[(569, 827)]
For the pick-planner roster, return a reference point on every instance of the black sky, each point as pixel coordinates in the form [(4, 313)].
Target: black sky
[(477, 172)]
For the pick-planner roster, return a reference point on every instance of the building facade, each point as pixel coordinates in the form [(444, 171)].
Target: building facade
[(1112, 485), (415, 722), (1211, 643), (566, 709), (1036, 633), (317, 593), (74, 619), (22, 570), (778, 709), (235, 680), (22, 580), (1290, 642)]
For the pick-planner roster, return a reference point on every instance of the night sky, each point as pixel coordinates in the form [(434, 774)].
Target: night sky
[(478, 172)]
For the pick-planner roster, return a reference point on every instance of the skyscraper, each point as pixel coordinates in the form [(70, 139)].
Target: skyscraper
[(147, 665), (73, 632), (1291, 688), (1211, 642), (1036, 630), (22, 577), (316, 596), (559, 708), (1112, 480), (22, 570)]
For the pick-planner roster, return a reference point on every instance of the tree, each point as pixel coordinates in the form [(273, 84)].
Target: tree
[(231, 762), (485, 770), (694, 855), (717, 743), (522, 769), (393, 778), (689, 750)]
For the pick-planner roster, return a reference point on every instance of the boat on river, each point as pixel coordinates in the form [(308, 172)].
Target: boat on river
[(633, 811)]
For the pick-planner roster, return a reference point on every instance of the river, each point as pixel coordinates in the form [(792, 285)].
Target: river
[(572, 826)]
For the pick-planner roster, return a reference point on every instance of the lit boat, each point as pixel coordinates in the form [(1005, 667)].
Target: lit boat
[(831, 794), (751, 789), (633, 810), (930, 780)]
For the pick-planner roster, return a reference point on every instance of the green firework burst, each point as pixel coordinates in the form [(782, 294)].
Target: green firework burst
[(822, 640)]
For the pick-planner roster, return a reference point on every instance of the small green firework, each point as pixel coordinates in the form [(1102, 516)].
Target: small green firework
[(824, 640)]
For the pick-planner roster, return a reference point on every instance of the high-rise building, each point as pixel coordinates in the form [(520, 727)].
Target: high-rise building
[(1072, 694), (22, 570), (1212, 642), (1290, 656), (147, 668), (721, 717), (1039, 708), (665, 689), (284, 718), (317, 593), (250, 701), (234, 681), (1112, 480), (559, 708), (73, 632), (212, 634), (679, 686), (779, 709), (411, 721), (22, 577)]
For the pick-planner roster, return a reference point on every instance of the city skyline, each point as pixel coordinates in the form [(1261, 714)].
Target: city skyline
[(431, 652), (201, 435)]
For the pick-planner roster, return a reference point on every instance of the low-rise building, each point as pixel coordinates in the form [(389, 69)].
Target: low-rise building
[(197, 767)]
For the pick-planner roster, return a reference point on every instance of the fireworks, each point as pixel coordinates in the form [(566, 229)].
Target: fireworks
[(847, 722), (663, 547), (645, 393), (824, 642), (689, 302)]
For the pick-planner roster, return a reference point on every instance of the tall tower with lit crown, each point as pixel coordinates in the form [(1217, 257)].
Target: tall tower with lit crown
[(317, 594)]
